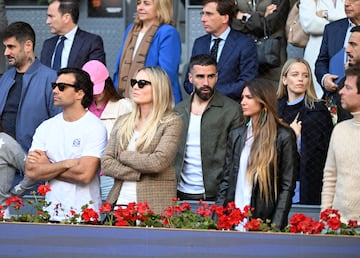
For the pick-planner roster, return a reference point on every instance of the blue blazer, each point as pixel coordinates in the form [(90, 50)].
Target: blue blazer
[(333, 40), (164, 51), (237, 63), (86, 47)]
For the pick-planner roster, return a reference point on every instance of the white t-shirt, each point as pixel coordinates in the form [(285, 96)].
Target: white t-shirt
[(191, 180), (128, 188), (67, 140)]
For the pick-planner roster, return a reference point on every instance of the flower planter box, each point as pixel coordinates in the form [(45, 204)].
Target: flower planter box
[(56, 240)]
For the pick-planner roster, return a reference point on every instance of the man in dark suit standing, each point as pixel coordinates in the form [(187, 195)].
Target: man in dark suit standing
[(234, 51), (71, 47), (335, 37)]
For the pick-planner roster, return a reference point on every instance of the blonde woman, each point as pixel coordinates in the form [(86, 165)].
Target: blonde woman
[(142, 146), (151, 40), (311, 121), (261, 158)]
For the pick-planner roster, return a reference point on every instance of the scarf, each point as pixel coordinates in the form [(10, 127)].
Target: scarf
[(129, 66)]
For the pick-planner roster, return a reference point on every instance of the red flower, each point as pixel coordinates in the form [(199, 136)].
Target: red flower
[(299, 223), (105, 208), (2, 212), (17, 202), (334, 223), (90, 216), (353, 224), (326, 214), (229, 217), (121, 222), (253, 225), (43, 189)]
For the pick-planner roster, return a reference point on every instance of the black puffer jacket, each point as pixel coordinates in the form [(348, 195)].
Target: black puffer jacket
[(288, 164)]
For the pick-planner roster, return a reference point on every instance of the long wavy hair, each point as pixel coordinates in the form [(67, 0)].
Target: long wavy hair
[(263, 153), (164, 13), (162, 106), (310, 95)]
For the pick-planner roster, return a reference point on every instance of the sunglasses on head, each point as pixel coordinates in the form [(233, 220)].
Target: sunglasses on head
[(61, 85), (141, 83)]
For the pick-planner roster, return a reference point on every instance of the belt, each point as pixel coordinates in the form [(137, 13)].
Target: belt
[(194, 197)]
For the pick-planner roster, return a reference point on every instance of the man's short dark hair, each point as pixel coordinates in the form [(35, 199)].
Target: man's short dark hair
[(83, 82), (69, 6), (355, 29), (22, 32), (225, 7), (203, 60), (354, 71)]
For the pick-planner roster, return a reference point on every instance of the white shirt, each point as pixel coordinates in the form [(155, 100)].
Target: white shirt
[(221, 43), (62, 140), (243, 187), (128, 188), (191, 179), (70, 36)]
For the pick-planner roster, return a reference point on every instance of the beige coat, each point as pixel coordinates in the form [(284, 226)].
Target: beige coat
[(152, 169)]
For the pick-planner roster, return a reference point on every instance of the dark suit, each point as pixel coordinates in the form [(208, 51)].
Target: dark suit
[(237, 63), (86, 46), (332, 42)]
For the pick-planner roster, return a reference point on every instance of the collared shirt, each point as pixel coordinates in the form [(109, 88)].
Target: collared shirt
[(221, 43), (70, 36), (97, 111)]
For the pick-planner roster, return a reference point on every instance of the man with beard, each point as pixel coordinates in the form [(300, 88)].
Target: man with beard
[(26, 97), (26, 100), (335, 38), (353, 52), (208, 116)]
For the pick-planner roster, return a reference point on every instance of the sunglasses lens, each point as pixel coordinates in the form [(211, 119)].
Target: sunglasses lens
[(141, 84), (61, 86), (133, 82)]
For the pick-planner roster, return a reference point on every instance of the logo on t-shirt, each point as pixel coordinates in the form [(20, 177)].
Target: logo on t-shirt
[(76, 142)]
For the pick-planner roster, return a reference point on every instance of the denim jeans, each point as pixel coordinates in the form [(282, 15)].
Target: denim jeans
[(12, 159)]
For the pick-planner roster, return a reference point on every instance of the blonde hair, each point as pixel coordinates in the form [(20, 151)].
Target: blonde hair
[(310, 95), (263, 153), (164, 13), (162, 106)]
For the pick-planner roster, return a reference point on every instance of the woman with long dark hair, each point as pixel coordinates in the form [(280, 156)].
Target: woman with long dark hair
[(261, 158)]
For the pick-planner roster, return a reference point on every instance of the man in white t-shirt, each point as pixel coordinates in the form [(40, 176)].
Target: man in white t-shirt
[(67, 148)]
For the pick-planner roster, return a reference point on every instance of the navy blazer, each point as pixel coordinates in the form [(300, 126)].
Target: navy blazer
[(86, 47), (333, 40), (237, 63)]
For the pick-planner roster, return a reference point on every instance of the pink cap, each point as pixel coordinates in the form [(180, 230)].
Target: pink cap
[(98, 74)]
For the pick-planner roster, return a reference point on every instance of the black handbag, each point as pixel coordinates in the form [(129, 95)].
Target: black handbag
[(268, 50)]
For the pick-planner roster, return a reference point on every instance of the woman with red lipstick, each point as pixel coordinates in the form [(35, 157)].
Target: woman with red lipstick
[(312, 124)]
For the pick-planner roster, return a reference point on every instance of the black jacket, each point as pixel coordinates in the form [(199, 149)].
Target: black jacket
[(316, 130), (287, 162)]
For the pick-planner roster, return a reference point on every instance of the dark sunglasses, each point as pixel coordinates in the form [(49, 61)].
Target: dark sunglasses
[(141, 83), (61, 85)]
